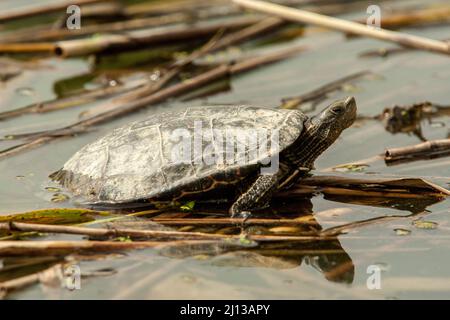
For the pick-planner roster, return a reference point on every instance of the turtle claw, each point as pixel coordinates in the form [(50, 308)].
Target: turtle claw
[(241, 215)]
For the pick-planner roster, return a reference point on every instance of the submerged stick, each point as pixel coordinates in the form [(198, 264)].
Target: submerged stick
[(303, 16), (40, 47)]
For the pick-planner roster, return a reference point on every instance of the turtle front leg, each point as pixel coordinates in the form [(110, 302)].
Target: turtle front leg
[(256, 195)]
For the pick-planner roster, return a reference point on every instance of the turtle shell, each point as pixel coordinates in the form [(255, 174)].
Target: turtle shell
[(142, 159)]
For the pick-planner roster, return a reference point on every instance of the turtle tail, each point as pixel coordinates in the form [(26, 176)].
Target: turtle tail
[(59, 176)]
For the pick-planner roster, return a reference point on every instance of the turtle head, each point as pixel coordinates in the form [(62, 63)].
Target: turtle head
[(329, 123), (321, 131)]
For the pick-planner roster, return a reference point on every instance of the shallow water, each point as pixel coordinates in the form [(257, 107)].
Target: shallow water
[(413, 266)]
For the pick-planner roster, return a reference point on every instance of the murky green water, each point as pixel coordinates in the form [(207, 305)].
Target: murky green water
[(414, 265)]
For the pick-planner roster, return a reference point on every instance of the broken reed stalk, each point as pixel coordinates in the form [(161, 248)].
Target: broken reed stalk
[(157, 97), (423, 150), (321, 92), (230, 221), (303, 16), (112, 232), (414, 18), (40, 47), (31, 11)]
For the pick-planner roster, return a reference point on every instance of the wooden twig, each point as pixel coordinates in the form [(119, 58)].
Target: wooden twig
[(425, 150), (303, 16), (322, 91)]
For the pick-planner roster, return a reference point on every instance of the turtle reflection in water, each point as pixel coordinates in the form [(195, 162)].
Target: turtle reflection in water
[(134, 164), (327, 256)]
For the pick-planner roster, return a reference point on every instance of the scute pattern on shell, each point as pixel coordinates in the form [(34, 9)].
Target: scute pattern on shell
[(135, 162)]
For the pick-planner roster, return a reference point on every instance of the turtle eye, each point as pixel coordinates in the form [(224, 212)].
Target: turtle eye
[(337, 109)]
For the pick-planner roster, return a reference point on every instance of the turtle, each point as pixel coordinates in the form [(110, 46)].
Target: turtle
[(187, 154)]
